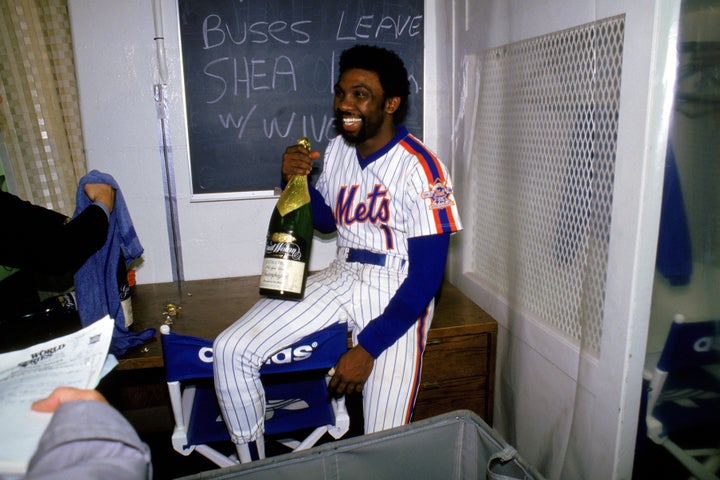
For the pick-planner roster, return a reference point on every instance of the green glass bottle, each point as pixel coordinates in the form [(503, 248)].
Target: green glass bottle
[(288, 242)]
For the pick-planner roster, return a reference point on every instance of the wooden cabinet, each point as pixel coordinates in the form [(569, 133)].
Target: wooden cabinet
[(457, 373), (458, 364), (459, 360)]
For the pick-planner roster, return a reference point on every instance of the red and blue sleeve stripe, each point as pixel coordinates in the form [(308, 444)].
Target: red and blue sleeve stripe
[(444, 217)]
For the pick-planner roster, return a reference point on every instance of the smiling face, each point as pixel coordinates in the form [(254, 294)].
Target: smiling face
[(363, 115)]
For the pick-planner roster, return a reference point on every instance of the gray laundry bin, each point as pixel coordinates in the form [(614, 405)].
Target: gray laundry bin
[(454, 446)]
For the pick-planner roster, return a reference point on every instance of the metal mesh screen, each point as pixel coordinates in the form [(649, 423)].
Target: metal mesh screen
[(542, 174)]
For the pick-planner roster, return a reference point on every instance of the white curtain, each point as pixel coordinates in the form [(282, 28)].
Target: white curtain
[(39, 112)]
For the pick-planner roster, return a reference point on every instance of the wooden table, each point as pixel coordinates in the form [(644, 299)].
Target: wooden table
[(207, 308), (458, 365)]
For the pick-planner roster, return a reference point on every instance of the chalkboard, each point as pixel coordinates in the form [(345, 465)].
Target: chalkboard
[(259, 74)]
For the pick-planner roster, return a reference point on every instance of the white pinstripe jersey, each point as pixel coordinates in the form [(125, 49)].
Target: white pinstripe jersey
[(400, 192)]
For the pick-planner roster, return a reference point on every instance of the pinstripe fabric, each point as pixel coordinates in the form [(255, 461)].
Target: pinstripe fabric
[(400, 175), (400, 192), (344, 292)]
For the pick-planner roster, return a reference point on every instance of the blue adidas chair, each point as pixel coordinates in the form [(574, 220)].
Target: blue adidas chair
[(295, 385), (683, 409)]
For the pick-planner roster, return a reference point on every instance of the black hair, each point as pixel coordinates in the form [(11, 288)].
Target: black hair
[(388, 66)]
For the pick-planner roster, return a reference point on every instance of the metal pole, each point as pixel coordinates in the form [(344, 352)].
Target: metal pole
[(168, 169)]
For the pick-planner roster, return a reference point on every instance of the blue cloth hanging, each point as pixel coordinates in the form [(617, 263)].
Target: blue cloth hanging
[(96, 286), (674, 253)]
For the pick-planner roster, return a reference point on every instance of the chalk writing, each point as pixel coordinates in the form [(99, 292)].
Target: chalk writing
[(374, 27), (260, 74), (228, 121), (245, 75), (216, 32), (290, 125)]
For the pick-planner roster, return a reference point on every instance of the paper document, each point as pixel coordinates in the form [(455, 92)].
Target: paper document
[(75, 360)]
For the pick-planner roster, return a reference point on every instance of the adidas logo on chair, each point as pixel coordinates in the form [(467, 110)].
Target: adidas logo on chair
[(295, 390)]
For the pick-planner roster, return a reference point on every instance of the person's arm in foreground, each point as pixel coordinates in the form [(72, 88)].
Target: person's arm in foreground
[(87, 438), (46, 241)]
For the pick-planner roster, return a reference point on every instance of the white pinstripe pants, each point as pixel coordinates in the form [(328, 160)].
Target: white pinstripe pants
[(351, 292)]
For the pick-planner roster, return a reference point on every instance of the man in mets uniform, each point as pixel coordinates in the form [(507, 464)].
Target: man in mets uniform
[(391, 202)]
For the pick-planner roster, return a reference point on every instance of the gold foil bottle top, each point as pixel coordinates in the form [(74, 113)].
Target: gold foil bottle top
[(304, 142), (296, 192)]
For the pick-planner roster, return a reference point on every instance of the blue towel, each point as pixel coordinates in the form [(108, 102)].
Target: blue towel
[(674, 253), (96, 286)]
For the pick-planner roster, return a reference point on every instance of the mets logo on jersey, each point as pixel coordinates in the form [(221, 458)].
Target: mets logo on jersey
[(439, 195)]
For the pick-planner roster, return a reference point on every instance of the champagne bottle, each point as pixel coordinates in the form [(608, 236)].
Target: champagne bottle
[(288, 242), (56, 307)]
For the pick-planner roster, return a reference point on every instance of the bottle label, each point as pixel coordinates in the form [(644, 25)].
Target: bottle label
[(127, 311), (126, 303), (281, 245), (282, 274)]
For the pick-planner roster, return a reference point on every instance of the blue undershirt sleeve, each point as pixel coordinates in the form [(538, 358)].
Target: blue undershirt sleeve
[(323, 219), (426, 256)]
